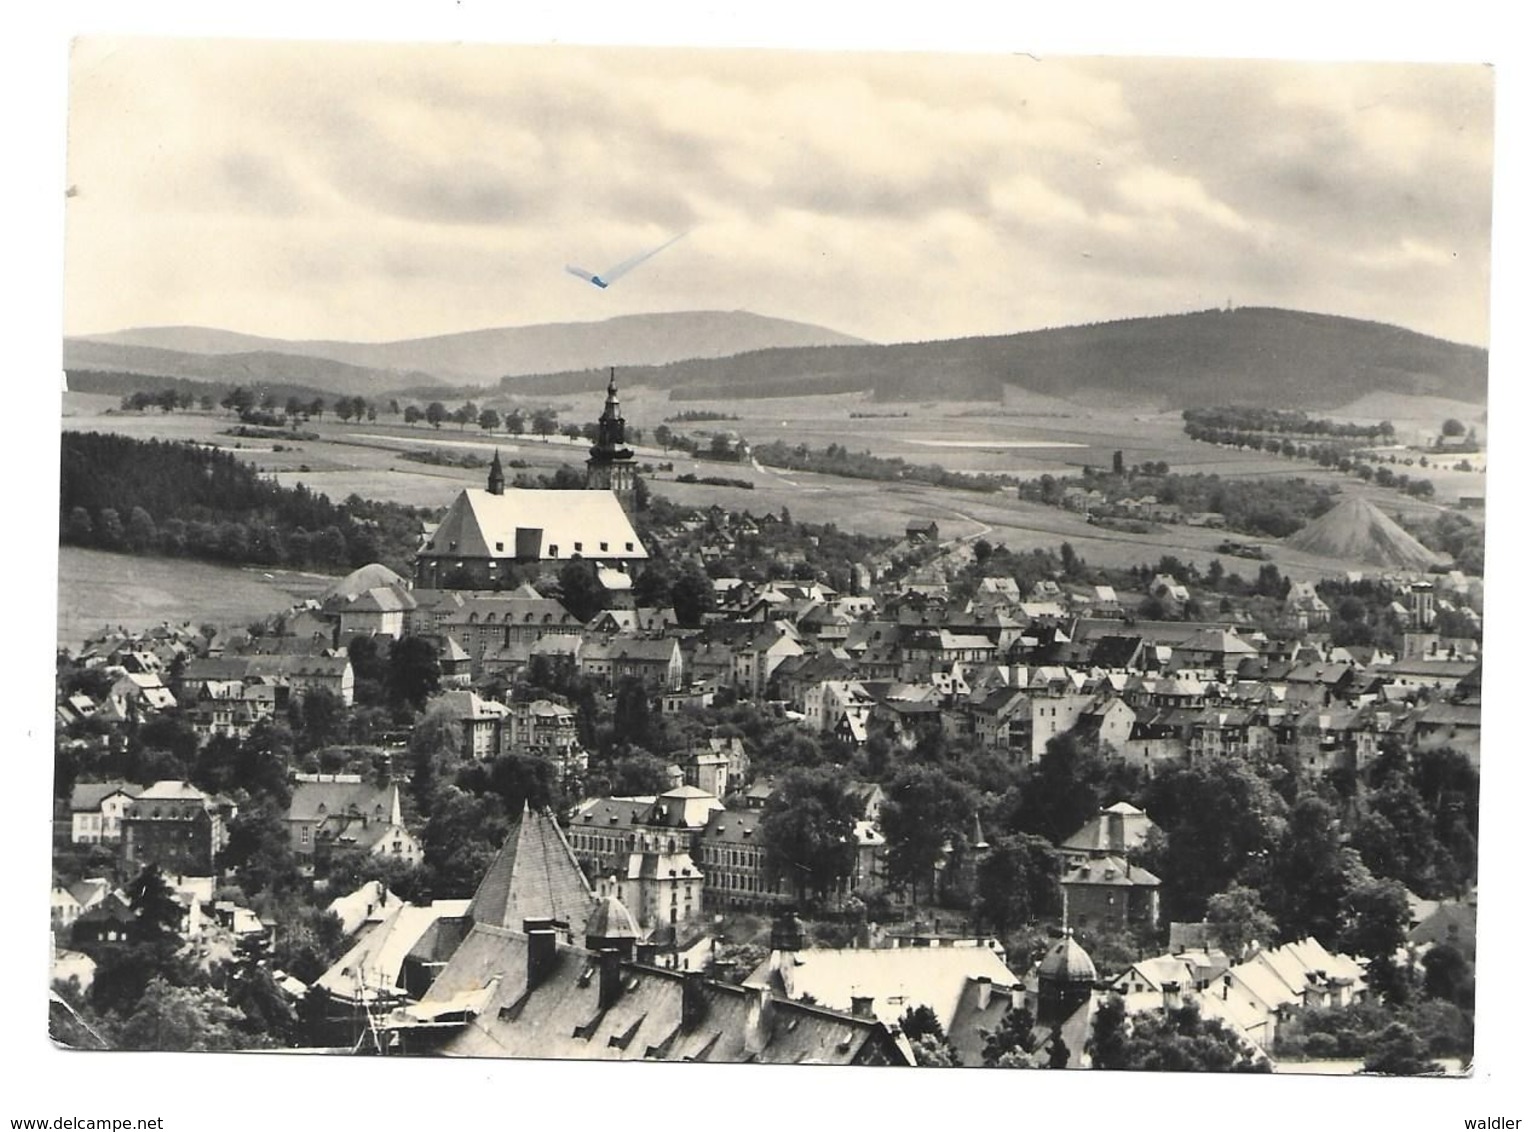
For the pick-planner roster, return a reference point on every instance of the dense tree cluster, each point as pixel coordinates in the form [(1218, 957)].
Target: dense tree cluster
[(1288, 422), (1175, 1040), (157, 497), (1274, 508)]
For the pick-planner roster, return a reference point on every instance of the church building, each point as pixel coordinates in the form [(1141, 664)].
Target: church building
[(486, 532)]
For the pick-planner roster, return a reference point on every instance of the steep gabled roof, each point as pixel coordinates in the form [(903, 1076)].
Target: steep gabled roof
[(88, 796), (534, 876), (528, 523), (563, 1015)]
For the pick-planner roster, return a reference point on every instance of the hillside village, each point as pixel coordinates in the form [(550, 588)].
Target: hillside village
[(605, 780)]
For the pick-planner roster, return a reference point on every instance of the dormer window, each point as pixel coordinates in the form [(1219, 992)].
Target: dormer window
[(499, 546), (553, 552), (579, 546), (603, 546)]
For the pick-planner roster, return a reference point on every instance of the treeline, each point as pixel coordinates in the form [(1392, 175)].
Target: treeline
[(715, 481), (838, 460), (720, 446), (701, 415), (268, 409), (156, 497), (165, 400), (1285, 421), (204, 393), (1329, 444)]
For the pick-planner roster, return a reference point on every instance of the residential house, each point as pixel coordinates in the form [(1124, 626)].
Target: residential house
[(484, 722), (550, 730), (1254, 997), (342, 813), (96, 810), (177, 827), (657, 664), (377, 612), (1116, 831), (756, 660), (1106, 893)]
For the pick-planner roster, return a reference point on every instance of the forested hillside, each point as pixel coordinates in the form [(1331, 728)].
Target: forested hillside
[(156, 497)]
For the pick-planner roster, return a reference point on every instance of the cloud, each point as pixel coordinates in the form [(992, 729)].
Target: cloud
[(429, 189)]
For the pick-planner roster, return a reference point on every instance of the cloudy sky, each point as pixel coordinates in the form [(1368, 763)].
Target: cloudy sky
[(378, 192)]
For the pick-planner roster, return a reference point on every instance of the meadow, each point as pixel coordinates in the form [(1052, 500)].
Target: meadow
[(1026, 436), (98, 589)]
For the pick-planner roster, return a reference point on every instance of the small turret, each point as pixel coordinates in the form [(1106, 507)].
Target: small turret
[(496, 475)]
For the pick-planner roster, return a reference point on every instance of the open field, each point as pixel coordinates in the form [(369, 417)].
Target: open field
[(364, 458), (98, 589)]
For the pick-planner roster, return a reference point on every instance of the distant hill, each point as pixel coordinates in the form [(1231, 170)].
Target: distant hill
[(262, 368), (119, 385), (475, 356), (1251, 356)]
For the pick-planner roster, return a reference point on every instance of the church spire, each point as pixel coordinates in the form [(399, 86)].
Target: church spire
[(611, 466), (496, 476), (612, 428)]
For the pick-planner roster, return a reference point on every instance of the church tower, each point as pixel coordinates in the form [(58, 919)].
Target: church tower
[(496, 476), (611, 466)]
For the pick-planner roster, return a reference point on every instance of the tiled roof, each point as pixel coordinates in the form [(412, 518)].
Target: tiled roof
[(1112, 871), (894, 978), (535, 875), (88, 796), (316, 801), (563, 1016)]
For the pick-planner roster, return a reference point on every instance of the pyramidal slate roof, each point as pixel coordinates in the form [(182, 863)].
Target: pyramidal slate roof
[(534, 876)]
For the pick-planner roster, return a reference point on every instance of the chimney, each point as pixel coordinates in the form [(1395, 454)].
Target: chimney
[(758, 1020), (861, 1005), (986, 988), (1115, 837), (542, 950), (1018, 996), (693, 1008), (611, 976), (1170, 994)]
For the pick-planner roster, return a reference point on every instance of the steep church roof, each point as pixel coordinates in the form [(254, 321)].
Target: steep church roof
[(536, 524), (534, 876)]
